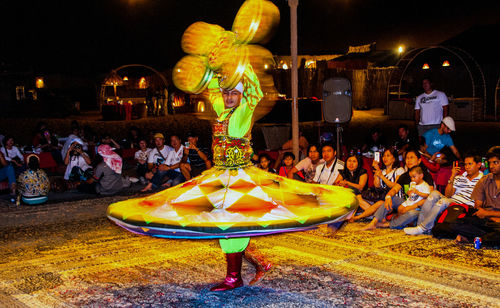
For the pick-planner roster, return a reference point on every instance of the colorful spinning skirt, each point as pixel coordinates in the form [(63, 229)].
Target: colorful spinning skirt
[(229, 203)]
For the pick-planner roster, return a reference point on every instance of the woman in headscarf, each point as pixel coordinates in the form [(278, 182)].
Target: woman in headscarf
[(108, 173)]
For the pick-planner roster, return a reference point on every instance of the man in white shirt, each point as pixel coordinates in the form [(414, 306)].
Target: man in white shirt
[(308, 165), (458, 190), (328, 172), (173, 161), (430, 108), (157, 163)]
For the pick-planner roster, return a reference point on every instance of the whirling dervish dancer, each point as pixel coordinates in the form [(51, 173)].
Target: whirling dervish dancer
[(234, 200)]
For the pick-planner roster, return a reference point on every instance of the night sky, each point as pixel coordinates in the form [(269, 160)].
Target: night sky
[(93, 36)]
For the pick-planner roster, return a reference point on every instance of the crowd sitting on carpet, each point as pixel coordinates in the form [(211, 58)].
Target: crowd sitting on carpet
[(408, 184)]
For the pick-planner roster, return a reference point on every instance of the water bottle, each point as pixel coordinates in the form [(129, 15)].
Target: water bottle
[(477, 243), (486, 167)]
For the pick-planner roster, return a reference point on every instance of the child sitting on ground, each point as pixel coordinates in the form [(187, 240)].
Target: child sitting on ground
[(417, 194)]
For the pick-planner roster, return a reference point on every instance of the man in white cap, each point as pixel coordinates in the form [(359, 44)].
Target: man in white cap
[(438, 138), (430, 107)]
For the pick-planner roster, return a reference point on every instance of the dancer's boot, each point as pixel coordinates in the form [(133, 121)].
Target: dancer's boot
[(233, 277), (261, 264)]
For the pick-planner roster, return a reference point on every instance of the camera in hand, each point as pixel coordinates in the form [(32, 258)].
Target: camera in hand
[(78, 146)]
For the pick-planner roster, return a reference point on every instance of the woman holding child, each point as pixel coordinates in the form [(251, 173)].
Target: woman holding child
[(399, 192), (383, 181)]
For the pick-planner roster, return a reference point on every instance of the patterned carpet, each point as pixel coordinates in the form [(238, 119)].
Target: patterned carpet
[(86, 261)]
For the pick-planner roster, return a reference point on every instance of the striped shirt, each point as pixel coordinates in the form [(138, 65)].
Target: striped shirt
[(464, 187)]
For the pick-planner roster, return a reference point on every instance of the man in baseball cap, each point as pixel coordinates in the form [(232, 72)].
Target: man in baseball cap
[(438, 138), (159, 135)]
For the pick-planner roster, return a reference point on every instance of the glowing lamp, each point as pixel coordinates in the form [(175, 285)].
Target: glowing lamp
[(401, 49), (255, 21), (446, 63), (201, 106), (310, 64), (285, 67), (39, 83), (425, 66), (125, 78), (142, 83)]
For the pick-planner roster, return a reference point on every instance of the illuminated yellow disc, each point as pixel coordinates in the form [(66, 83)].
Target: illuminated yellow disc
[(232, 71), (191, 74), (200, 38), (255, 21), (222, 51)]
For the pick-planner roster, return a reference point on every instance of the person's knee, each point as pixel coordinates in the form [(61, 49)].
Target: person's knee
[(434, 195)]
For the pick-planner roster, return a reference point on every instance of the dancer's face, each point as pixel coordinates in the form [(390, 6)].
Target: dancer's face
[(231, 98)]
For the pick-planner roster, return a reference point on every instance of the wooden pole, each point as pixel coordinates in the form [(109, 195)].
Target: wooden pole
[(295, 74)]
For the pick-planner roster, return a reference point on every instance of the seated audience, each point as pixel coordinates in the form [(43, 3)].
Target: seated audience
[(7, 172), (383, 181), (308, 165), (133, 138), (12, 155), (484, 220), (141, 158), (77, 162), (38, 135), (403, 141), (33, 184), (353, 176), (106, 139), (49, 143), (437, 138), (265, 163), (375, 141), (458, 190), (288, 159), (107, 179), (445, 159), (328, 172), (398, 193), (196, 159), (174, 158), (157, 164), (75, 134)]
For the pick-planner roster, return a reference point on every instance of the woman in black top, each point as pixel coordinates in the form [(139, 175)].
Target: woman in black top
[(353, 176)]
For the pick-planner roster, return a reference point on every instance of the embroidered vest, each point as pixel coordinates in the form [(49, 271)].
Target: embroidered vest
[(230, 152)]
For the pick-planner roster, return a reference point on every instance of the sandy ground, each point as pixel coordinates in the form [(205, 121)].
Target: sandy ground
[(69, 255)]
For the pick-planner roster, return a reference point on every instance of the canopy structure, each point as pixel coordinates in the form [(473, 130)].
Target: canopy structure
[(454, 70), (138, 85)]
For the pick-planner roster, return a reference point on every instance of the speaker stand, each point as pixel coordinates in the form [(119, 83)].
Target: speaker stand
[(338, 139)]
